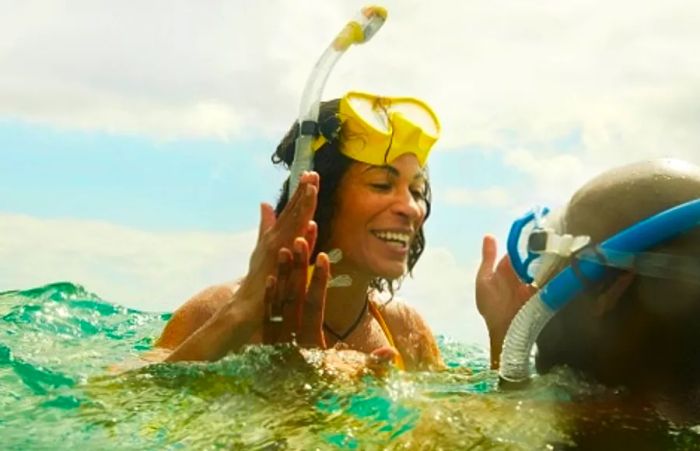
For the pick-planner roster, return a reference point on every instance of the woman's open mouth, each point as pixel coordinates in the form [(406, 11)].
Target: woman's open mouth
[(397, 240)]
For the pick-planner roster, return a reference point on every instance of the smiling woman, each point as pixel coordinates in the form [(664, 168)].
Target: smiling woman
[(368, 199)]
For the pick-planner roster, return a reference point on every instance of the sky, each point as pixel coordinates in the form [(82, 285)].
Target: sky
[(135, 136)]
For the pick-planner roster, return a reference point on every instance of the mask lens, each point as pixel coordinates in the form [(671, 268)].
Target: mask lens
[(377, 111), (371, 112), (524, 240), (418, 114)]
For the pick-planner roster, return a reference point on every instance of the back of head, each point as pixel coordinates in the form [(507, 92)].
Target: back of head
[(650, 334)]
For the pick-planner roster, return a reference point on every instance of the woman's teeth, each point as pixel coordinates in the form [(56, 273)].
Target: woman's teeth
[(394, 238)]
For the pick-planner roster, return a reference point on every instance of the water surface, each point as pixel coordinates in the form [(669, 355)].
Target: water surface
[(58, 341)]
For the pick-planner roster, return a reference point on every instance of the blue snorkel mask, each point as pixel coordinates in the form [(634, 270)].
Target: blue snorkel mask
[(535, 243), (536, 247), (534, 237)]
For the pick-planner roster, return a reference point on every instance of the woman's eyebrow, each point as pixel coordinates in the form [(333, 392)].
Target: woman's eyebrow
[(392, 171), (386, 168)]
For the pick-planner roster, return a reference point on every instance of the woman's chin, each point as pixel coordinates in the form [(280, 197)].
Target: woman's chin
[(391, 271)]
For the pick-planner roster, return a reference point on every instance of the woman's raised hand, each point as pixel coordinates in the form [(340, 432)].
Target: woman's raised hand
[(499, 295), (294, 306), (274, 233)]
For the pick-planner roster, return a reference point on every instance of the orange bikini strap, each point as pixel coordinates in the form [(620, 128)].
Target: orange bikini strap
[(374, 310)]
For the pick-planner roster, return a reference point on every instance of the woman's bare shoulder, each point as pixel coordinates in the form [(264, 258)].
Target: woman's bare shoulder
[(196, 311), (210, 299), (412, 335)]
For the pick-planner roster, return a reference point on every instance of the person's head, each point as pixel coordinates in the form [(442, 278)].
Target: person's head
[(651, 333), (374, 194)]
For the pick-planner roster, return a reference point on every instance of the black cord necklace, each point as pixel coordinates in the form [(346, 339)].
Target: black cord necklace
[(353, 326)]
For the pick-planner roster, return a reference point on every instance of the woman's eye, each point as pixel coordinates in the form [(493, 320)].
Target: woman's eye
[(381, 186), (418, 193)]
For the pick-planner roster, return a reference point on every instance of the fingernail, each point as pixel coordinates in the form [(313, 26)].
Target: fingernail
[(298, 247), (309, 189)]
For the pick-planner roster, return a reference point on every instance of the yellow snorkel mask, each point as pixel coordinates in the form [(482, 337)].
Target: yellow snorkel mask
[(376, 130)]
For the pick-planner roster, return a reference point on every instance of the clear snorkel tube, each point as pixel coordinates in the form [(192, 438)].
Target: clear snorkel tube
[(357, 31), (568, 284)]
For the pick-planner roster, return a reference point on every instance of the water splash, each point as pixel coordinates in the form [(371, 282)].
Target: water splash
[(57, 341)]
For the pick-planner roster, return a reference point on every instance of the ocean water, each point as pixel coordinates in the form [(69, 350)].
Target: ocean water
[(58, 390)]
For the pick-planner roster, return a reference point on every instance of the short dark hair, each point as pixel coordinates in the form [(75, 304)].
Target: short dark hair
[(331, 166)]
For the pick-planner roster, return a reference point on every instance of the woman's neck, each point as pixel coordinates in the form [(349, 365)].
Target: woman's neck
[(344, 304)]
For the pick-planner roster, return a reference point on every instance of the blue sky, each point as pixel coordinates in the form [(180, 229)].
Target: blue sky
[(186, 184), (135, 138), (134, 180)]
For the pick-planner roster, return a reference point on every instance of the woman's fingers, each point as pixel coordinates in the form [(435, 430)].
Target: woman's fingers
[(311, 235), (485, 275), (267, 219), (290, 288), (272, 322), (292, 308), (285, 296), (379, 361), (298, 278), (300, 198), (295, 217), (311, 331), (488, 258)]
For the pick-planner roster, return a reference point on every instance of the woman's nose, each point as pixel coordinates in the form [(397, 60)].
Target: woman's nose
[(407, 205)]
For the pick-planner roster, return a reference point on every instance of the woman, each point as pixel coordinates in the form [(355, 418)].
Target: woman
[(368, 198)]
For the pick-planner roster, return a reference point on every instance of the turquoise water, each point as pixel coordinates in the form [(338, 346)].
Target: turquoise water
[(57, 343)]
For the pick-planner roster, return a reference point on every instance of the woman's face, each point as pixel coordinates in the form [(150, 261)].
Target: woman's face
[(378, 214)]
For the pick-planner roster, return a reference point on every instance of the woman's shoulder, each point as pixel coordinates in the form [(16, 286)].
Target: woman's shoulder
[(195, 312), (404, 320), (397, 311), (411, 334), (211, 298)]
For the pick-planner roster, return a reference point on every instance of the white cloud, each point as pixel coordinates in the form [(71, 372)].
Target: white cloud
[(553, 177), (159, 271), (495, 196), (145, 270), (443, 292), (609, 83), (499, 73)]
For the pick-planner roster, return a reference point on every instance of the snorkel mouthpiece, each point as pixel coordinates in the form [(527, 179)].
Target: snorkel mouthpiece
[(376, 16), (357, 31), (361, 29)]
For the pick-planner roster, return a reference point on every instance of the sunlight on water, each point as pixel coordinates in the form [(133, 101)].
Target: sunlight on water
[(57, 341)]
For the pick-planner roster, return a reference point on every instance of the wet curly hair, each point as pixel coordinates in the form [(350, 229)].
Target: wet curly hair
[(331, 166)]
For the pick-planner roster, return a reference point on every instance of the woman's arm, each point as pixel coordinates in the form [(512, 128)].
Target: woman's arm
[(225, 317), (194, 313), (210, 325), (227, 330)]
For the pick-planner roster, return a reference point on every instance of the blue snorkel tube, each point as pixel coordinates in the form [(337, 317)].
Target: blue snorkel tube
[(571, 282)]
